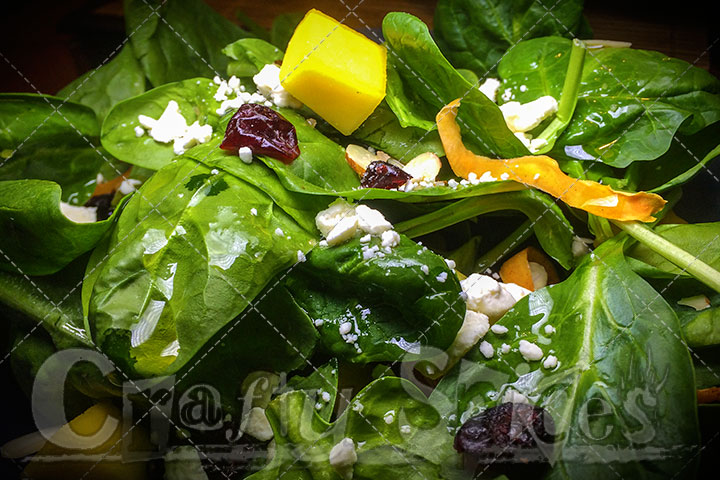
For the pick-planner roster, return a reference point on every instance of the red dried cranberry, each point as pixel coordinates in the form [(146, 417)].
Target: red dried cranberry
[(384, 175), (264, 131), (509, 432)]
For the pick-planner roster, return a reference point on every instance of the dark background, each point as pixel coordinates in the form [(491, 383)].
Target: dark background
[(44, 45)]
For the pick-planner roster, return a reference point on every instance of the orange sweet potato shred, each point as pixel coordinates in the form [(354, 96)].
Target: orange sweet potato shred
[(543, 173)]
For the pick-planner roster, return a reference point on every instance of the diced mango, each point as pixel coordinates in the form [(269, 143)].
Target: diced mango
[(334, 70)]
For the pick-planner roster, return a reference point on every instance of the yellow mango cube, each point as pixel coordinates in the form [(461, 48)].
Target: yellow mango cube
[(334, 70)]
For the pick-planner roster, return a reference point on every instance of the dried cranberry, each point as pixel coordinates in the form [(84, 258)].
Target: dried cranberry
[(510, 432), (264, 131), (384, 175)]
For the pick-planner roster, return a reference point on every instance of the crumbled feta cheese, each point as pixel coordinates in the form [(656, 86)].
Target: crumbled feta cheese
[(279, 232), (490, 88), (253, 212), (452, 183), (486, 295), (172, 127), (504, 176), (319, 322), (450, 263), (550, 362), (301, 256), (325, 396), (79, 214), (504, 348), (442, 276), (698, 302), (523, 88), (371, 221), (405, 429), (486, 349), (524, 117), (539, 275), (328, 219), (513, 396), (515, 290), (389, 417), (245, 154), (256, 424), (343, 231), (139, 131), (474, 327), (499, 329), (530, 351), (390, 238), (486, 177), (549, 330), (345, 328), (425, 269), (343, 456), (268, 84), (128, 185), (365, 238)]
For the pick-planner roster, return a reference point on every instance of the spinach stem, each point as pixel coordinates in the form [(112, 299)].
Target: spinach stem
[(569, 96), (499, 251), (685, 260)]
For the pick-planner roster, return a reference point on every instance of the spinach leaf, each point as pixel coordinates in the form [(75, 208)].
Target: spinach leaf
[(178, 40), (250, 55), (187, 251), (629, 401), (322, 379), (383, 131), (100, 89), (395, 430), (701, 328), (38, 239), (47, 138), (421, 81), (476, 34), (551, 228), (699, 239), (619, 118), (51, 300), (391, 307), (283, 27), (707, 367), (196, 102)]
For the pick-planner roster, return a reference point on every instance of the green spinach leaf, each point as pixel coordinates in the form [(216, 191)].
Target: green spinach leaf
[(196, 102), (391, 308), (193, 246), (48, 138), (322, 379), (628, 401), (250, 55), (102, 88), (178, 40), (476, 34), (38, 239), (283, 27)]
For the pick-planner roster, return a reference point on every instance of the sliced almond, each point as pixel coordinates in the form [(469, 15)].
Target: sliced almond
[(359, 158), (425, 166)]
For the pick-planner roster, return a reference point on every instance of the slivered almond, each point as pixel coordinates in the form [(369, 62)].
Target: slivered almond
[(359, 158), (425, 166)]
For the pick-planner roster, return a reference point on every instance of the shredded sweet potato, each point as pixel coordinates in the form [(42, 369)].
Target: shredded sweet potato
[(543, 173), (111, 185), (709, 395), (517, 269)]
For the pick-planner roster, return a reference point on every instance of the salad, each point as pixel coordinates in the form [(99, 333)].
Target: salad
[(319, 253)]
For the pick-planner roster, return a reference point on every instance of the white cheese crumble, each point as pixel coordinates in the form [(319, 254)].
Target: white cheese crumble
[(256, 424), (253, 212), (79, 214), (504, 348), (488, 296), (371, 221), (490, 87), (139, 131), (301, 256), (343, 231), (530, 351), (442, 276), (390, 238), (268, 84), (405, 429), (550, 362), (499, 329), (319, 322), (343, 455), (172, 127), (698, 302), (389, 417), (549, 330), (425, 269), (513, 396), (486, 349), (345, 328), (450, 263), (524, 117), (279, 232), (245, 154)]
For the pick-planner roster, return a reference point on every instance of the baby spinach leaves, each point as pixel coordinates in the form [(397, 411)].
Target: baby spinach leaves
[(101, 89), (623, 379), (178, 40), (386, 308), (195, 101), (620, 117), (193, 247), (250, 55), (38, 239), (47, 138), (475, 34)]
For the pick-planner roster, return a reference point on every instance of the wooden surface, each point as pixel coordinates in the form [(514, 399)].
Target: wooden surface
[(45, 45)]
